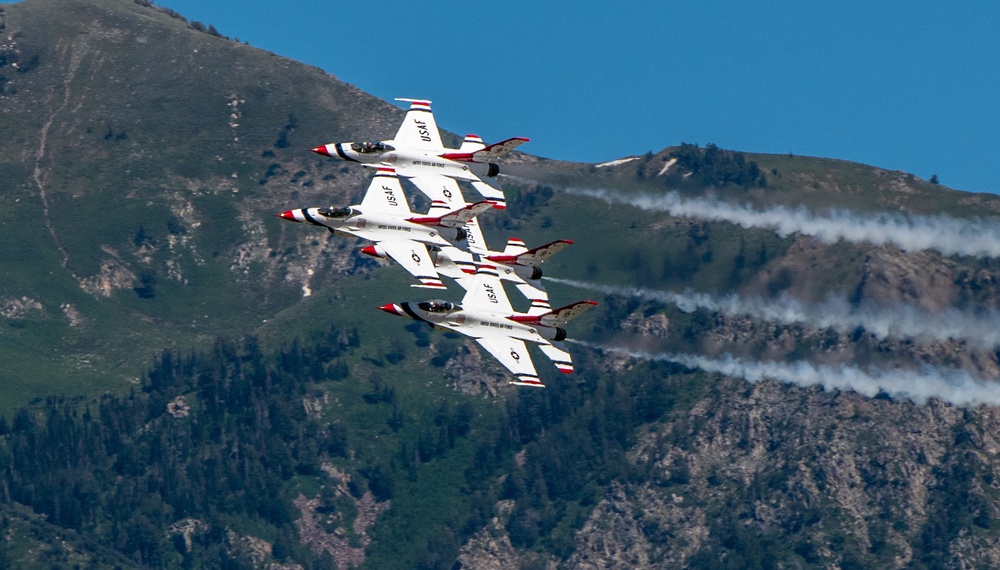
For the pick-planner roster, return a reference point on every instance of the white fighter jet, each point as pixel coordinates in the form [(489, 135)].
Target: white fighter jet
[(485, 314), (384, 217), (417, 153), (516, 263)]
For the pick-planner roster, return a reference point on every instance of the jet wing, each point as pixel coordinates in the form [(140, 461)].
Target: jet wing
[(419, 129), (485, 292), (439, 188), (513, 354), (385, 195), (414, 257)]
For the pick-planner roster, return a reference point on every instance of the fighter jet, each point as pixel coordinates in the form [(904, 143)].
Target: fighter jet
[(485, 314), (417, 153), (384, 217), (516, 264)]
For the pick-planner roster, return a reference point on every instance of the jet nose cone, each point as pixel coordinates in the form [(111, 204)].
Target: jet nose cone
[(392, 309), (321, 150), (289, 215)]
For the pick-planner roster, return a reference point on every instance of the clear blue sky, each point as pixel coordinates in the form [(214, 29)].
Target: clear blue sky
[(908, 85)]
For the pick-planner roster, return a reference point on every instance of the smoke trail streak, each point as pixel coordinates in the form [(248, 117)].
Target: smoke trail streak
[(951, 236), (956, 387), (980, 330)]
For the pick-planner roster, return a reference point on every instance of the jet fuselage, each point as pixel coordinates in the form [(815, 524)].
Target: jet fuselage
[(374, 227), (409, 160), (473, 323)]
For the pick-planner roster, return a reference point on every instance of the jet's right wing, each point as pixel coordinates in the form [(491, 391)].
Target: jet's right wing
[(419, 129), (513, 354), (413, 257)]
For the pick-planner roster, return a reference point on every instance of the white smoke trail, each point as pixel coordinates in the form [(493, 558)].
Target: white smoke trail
[(956, 387), (981, 330), (978, 237)]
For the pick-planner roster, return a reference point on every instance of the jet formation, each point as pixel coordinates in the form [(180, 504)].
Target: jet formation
[(448, 241)]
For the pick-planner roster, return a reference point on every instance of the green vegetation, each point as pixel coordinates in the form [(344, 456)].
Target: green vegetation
[(227, 437), (713, 166)]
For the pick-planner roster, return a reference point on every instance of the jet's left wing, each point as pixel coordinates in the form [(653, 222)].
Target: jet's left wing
[(439, 188), (513, 354), (419, 129), (413, 257)]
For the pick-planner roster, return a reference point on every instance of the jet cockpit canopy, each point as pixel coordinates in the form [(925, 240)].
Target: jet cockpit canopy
[(367, 147), (331, 212), (436, 306)]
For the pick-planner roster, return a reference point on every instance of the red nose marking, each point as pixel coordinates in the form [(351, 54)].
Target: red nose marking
[(321, 150), (287, 216), (391, 309)]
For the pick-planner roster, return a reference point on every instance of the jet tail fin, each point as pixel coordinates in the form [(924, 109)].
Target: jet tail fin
[(471, 144), (515, 246)]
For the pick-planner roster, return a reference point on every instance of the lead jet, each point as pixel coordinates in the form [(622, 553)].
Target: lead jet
[(384, 217), (485, 314), (418, 154)]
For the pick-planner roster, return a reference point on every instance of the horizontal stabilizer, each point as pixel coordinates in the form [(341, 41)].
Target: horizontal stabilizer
[(456, 218), (558, 317), (534, 256), (497, 150)]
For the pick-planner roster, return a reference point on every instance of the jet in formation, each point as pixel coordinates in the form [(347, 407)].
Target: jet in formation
[(418, 154), (384, 217), (486, 315), (449, 241)]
